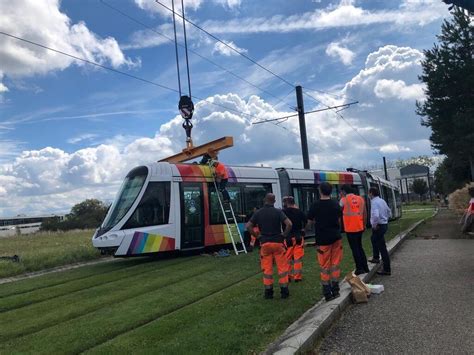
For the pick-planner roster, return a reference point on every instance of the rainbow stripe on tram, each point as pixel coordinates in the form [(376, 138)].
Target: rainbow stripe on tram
[(334, 177), (143, 243), (196, 172)]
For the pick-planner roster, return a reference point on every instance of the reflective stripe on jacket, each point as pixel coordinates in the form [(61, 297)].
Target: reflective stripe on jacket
[(353, 213)]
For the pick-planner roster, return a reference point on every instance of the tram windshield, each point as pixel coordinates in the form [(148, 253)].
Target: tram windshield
[(129, 192)]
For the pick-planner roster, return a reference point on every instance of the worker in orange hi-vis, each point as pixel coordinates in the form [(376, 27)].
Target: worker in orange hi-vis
[(326, 215), (295, 241), (222, 177), (269, 220), (354, 217)]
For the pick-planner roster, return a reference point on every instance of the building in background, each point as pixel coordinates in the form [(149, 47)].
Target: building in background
[(23, 224), (404, 178)]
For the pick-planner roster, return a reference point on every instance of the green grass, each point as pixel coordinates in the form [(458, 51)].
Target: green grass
[(184, 305), (40, 251), (418, 205)]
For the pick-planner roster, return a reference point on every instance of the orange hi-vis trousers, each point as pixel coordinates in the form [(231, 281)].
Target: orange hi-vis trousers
[(329, 258), (268, 252), (294, 254)]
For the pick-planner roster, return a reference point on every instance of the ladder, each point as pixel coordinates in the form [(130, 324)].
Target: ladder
[(231, 223)]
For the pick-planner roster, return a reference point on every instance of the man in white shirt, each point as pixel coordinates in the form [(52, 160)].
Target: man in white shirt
[(379, 215)]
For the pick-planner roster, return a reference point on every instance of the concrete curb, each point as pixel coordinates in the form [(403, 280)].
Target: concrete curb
[(315, 322)]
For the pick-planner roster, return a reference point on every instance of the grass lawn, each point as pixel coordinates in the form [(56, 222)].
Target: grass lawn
[(183, 305), (45, 250)]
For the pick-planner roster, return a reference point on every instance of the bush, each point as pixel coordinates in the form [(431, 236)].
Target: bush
[(459, 199)]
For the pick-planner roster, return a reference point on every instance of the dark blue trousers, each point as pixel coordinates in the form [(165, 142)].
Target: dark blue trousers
[(379, 246)]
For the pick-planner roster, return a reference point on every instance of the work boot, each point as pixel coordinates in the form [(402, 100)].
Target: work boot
[(327, 293), (284, 292), (268, 293), (335, 289)]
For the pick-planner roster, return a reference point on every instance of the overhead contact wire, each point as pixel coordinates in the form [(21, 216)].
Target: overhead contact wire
[(228, 46), (279, 100)]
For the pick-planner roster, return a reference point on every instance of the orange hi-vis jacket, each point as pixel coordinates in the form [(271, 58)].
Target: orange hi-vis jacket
[(353, 213), (221, 171)]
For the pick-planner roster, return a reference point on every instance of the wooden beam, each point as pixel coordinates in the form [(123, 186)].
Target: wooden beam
[(211, 148)]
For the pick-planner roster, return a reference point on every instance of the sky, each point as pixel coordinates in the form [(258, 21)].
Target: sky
[(71, 130)]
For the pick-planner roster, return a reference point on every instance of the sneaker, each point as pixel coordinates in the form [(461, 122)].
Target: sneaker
[(374, 261), (335, 294), (384, 273), (268, 294), (359, 272), (284, 293)]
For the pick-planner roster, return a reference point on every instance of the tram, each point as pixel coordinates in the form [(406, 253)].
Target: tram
[(163, 207)]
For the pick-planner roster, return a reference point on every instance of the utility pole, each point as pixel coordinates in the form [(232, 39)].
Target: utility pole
[(304, 140), (385, 168)]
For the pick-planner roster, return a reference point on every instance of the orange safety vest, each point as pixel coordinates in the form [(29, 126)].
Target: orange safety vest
[(353, 213), (221, 171)]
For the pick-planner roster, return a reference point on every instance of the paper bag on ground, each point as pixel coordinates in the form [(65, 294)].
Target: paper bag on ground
[(360, 290)]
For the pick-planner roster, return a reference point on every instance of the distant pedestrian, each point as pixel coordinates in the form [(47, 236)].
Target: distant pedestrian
[(269, 220), (326, 216), (379, 216), (354, 217), (295, 241)]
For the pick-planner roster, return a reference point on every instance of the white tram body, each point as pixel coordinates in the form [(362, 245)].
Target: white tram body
[(164, 207)]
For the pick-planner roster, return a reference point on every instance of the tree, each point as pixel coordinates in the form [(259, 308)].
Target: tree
[(448, 72), (420, 160), (420, 187), (87, 214), (84, 215), (450, 175)]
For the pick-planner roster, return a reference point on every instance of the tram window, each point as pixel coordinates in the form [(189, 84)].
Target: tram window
[(305, 196), (253, 197), (129, 191), (215, 208), (335, 192), (388, 196), (154, 207)]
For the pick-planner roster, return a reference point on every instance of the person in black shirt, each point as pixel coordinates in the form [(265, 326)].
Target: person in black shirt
[(295, 241), (269, 220), (326, 215)]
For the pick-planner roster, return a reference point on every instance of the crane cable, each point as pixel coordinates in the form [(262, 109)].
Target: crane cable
[(176, 50)]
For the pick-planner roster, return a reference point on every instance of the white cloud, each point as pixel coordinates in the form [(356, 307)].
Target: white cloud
[(189, 5), (345, 55), (81, 138), (24, 18), (387, 89), (390, 126), (393, 148), (3, 88), (346, 14), (221, 48)]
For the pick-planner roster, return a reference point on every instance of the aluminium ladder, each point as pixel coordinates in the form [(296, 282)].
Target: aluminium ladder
[(231, 222)]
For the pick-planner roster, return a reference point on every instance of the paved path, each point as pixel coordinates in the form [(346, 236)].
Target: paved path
[(428, 303)]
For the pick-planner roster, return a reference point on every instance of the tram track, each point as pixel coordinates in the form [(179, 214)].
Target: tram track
[(160, 302), (28, 298), (24, 285), (173, 311), (57, 315)]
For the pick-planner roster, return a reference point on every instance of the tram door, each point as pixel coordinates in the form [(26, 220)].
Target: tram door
[(192, 216)]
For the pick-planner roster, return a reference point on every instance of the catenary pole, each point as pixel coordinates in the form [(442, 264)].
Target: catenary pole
[(304, 139), (385, 168)]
